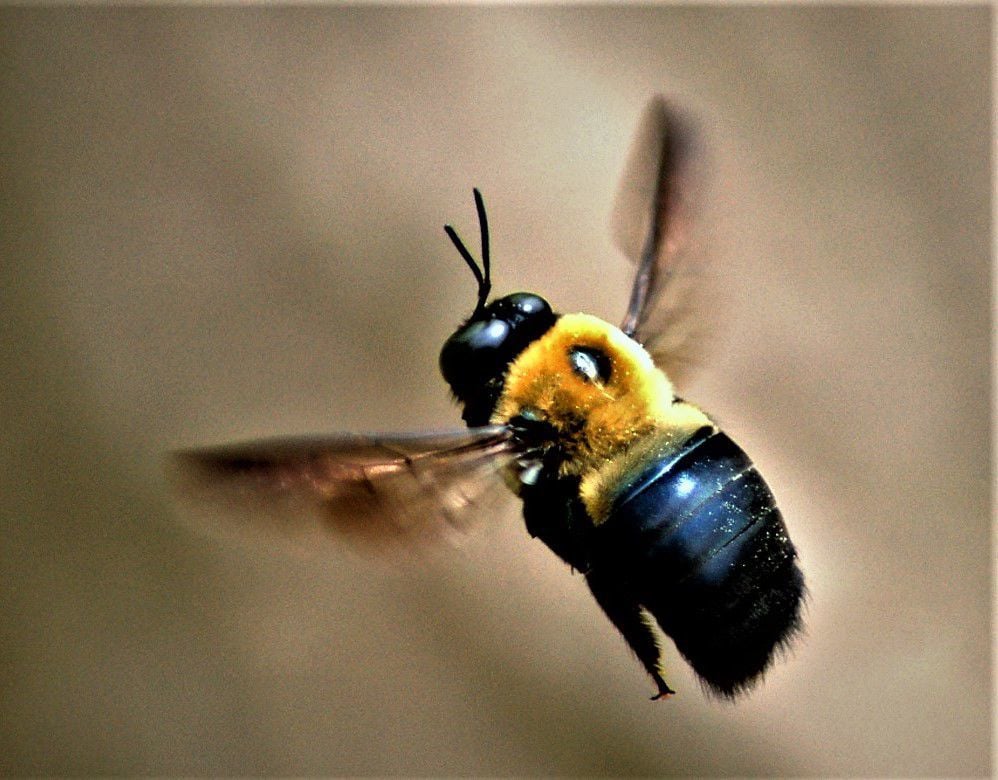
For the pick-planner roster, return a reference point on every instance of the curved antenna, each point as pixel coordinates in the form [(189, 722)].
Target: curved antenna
[(482, 275), (483, 225)]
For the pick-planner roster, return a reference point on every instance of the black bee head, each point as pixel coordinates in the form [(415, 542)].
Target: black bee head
[(480, 350), (475, 358)]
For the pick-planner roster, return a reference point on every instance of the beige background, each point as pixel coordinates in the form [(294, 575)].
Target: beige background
[(220, 224)]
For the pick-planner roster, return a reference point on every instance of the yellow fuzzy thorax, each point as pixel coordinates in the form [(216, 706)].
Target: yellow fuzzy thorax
[(597, 423)]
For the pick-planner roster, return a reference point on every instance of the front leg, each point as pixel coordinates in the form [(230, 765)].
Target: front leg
[(626, 614), (552, 509)]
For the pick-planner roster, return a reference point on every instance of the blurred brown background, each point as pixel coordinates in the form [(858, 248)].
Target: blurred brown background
[(221, 224)]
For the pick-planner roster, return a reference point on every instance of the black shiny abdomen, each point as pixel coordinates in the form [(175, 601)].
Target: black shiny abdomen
[(699, 542)]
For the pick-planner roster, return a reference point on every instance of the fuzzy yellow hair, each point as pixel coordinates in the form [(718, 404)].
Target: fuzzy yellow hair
[(605, 428)]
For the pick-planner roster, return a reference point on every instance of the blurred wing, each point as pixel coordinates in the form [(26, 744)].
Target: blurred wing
[(655, 224), (378, 490)]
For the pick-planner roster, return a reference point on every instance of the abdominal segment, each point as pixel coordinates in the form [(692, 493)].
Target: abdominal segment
[(698, 541)]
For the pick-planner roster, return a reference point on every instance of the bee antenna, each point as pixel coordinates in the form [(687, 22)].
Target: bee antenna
[(482, 275), (483, 224)]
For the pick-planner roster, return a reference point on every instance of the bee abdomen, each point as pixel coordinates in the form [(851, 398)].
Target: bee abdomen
[(711, 559)]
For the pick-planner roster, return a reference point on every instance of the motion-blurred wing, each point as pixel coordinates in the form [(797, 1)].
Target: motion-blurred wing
[(379, 490), (655, 224)]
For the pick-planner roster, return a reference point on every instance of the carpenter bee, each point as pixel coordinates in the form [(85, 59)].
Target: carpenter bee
[(637, 489)]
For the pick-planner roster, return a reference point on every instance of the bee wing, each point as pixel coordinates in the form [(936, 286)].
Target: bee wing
[(376, 490), (655, 224)]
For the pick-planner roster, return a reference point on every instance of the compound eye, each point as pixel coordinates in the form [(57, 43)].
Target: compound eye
[(591, 364), (474, 353), (485, 335)]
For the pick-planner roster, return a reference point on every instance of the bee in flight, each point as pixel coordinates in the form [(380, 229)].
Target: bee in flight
[(638, 490)]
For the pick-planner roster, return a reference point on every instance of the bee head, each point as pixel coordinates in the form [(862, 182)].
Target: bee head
[(479, 352), (475, 358)]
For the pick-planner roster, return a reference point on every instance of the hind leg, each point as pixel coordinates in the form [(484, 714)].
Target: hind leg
[(626, 614)]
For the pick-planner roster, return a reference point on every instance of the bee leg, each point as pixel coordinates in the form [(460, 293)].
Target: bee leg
[(626, 614)]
